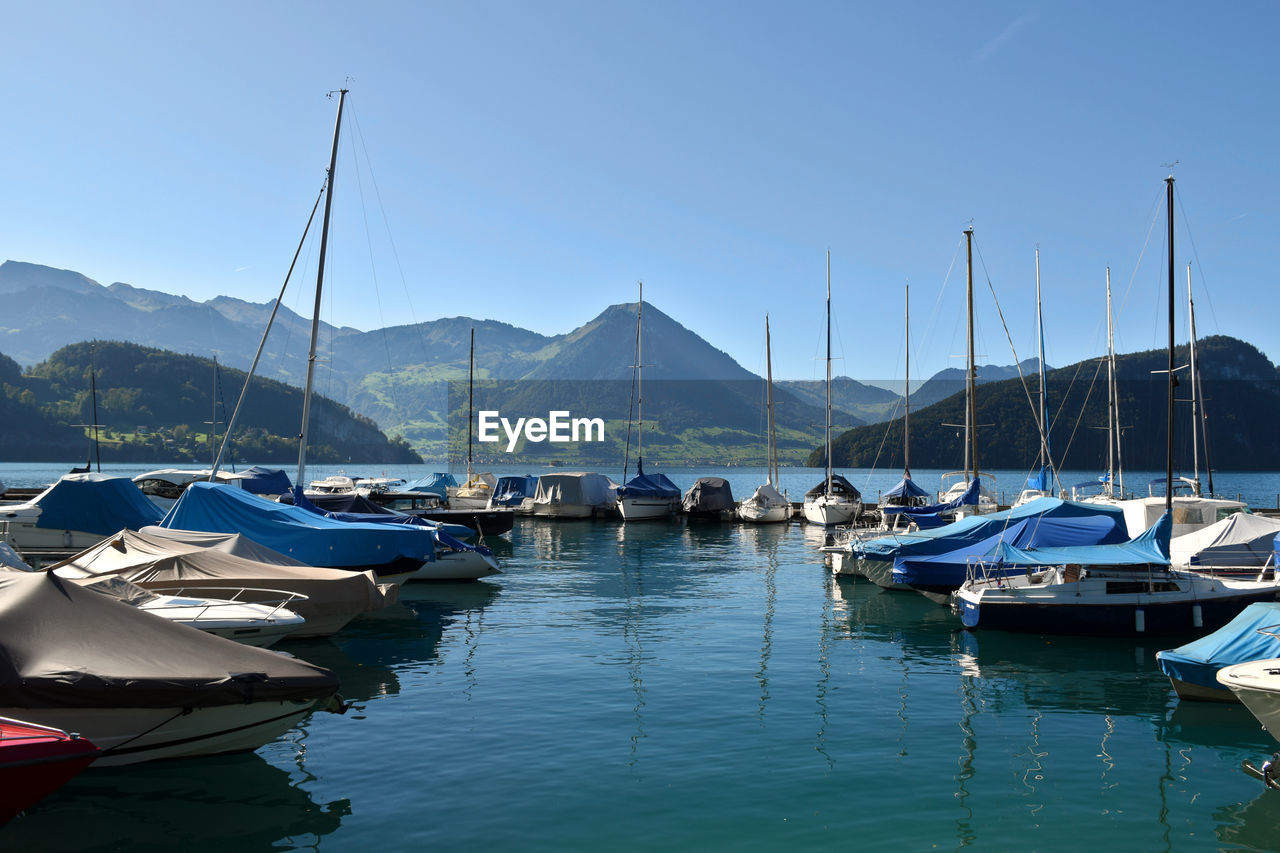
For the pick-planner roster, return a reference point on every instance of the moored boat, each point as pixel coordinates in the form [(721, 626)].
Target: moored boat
[(37, 760)]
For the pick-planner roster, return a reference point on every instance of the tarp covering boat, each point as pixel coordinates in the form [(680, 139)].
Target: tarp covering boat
[(839, 486), (947, 571), (152, 560), (297, 532), (265, 481), (975, 528), (906, 488), (367, 511), (436, 484), (968, 498), (511, 491), (768, 495), (1238, 641), (576, 487), (708, 496), (65, 646), (1240, 539), (644, 485), (1149, 548), (92, 503)]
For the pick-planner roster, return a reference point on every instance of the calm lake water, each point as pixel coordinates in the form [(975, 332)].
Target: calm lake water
[(665, 685)]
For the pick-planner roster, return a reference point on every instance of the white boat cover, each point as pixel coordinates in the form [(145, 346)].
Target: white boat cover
[(63, 646), (153, 562), (767, 495), (575, 487), (1240, 539)]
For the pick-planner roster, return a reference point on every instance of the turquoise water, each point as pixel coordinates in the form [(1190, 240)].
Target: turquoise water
[(700, 686)]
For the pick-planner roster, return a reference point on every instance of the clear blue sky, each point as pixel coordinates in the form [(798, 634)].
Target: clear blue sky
[(530, 161)]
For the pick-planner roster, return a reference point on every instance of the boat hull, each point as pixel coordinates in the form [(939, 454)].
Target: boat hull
[(35, 762), (827, 512), (135, 735), (755, 514), (645, 509), (457, 566), (1257, 685)]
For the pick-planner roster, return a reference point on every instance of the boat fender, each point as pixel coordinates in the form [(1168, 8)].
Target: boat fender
[(1197, 616), (1140, 621)]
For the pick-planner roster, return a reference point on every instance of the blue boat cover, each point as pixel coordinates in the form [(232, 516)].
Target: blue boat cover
[(1150, 547), (381, 515), (1238, 641), (906, 488), (644, 485), (510, 491), (94, 503), (974, 528), (265, 481), (969, 498), (948, 569), (297, 532), (435, 484)]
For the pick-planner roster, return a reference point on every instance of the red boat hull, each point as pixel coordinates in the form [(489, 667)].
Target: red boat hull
[(35, 761)]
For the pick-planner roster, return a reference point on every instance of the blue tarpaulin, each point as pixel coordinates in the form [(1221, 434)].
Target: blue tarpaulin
[(1149, 548), (265, 481), (435, 484), (1238, 641), (292, 530), (1042, 480), (510, 491), (969, 498), (947, 570), (382, 515), (906, 488), (94, 503), (644, 485)]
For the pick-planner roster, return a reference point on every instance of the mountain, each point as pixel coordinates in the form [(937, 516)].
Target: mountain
[(155, 406), (951, 380), (1242, 401), (860, 403)]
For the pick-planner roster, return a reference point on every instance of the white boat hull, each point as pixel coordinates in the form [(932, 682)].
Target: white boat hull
[(757, 514), (645, 509), (135, 735), (457, 566), (559, 510), (1257, 685), (830, 510)]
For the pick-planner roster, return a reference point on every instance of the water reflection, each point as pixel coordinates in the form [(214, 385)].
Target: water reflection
[(1251, 825), (214, 803)]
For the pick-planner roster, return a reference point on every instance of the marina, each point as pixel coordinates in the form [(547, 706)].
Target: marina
[(703, 684)]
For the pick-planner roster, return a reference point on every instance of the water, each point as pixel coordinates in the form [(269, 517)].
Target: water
[(699, 686)]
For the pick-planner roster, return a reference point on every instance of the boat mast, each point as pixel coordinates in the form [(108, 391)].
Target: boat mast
[(771, 476), (1113, 422), (970, 456), (828, 427), (1044, 404), (315, 316), (1198, 390), (1168, 464), (1195, 427), (639, 386), (906, 412), (471, 403), (93, 392)]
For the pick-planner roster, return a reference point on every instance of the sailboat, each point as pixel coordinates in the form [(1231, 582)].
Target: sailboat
[(834, 500), (957, 484), (477, 489), (644, 496), (1109, 590), (767, 505)]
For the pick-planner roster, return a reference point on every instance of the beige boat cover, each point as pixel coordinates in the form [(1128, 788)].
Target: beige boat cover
[(334, 596)]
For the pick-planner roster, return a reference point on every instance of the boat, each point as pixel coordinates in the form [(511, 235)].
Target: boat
[(1130, 589), (1241, 541), (574, 494), (1256, 684), (708, 499), (73, 513), (160, 559), (834, 500), (391, 551), (390, 496), (37, 760), (514, 493), (262, 622), (138, 687), (475, 491), (645, 496), (767, 505), (1193, 667), (165, 485)]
